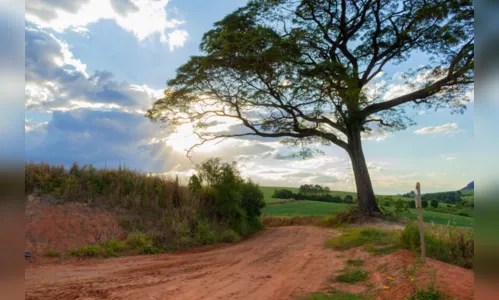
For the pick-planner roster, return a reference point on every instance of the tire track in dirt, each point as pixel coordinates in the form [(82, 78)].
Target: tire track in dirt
[(278, 263)]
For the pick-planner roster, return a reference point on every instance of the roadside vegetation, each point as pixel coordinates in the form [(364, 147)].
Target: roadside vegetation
[(158, 213)]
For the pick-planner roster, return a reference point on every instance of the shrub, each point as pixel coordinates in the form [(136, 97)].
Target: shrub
[(140, 241), (205, 234), (348, 199), (352, 276), (85, 251), (434, 203), (52, 253), (424, 203), (463, 213), (412, 204), (111, 248)]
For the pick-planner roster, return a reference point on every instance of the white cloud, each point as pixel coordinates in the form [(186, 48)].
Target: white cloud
[(445, 128), (143, 18), (377, 134), (449, 157), (177, 38)]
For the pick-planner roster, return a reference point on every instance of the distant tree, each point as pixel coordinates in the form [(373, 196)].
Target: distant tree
[(434, 203), (194, 184), (412, 204), (283, 194), (348, 199), (304, 71), (424, 204)]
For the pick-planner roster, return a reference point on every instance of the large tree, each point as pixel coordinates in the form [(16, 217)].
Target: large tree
[(305, 71)]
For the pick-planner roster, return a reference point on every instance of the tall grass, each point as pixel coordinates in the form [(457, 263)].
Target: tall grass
[(158, 210), (451, 245)]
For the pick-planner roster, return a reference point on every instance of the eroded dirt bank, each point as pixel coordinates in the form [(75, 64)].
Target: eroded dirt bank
[(278, 263)]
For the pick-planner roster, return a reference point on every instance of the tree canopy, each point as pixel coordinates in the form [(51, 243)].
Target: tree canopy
[(306, 71)]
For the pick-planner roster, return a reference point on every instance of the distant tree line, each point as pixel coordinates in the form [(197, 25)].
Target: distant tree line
[(314, 189), (312, 196), (445, 197)]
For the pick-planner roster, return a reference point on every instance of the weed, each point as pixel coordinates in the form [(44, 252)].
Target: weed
[(352, 275), (229, 236), (355, 262), (52, 253), (430, 293)]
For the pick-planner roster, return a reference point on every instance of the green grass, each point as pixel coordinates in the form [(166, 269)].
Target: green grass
[(52, 253), (315, 208), (355, 262), (362, 236), (85, 251), (304, 208), (352, 275), (430, 293)]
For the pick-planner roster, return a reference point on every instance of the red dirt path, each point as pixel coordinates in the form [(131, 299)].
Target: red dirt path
[(277, 264)]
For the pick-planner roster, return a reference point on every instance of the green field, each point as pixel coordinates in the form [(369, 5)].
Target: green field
[(269, 190), (315, 208), (304, 208)]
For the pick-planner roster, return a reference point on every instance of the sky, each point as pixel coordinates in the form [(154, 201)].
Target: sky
[(93, 68)]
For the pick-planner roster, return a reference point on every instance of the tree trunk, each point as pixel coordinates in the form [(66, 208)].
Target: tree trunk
[(365, 193)]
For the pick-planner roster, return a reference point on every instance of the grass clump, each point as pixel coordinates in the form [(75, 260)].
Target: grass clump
[(366, 236), (352, 275), (85, 251), (355, 262), (451, 245), (52, 253), (429, 293)]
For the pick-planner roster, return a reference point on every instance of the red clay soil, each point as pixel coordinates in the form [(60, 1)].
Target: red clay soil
[(452, 280), (277, 264), (63, 226)]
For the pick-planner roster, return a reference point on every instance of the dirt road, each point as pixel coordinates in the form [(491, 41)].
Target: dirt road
[(278, 263)]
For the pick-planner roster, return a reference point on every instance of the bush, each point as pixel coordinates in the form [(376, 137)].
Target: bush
[(434, 203), (348, 199), (412, 204), (85, 251), (52, 253), (463, 213), (111, 248), (229, 236), (424, 203), (451, 245), (140, 241)]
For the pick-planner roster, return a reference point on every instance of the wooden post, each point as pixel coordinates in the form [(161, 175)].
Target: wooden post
[(420, 217)]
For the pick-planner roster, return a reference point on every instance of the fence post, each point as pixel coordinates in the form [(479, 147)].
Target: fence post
[(421, 224)]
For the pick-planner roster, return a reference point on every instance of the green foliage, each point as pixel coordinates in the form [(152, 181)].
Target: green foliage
[(85, 251), (158, 212), (112, 248), (434, 203), (450, 245), (52, 253), (430, 293), (352, 275), (141, 242), (412, 204), (283, 194), (424, 203)]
